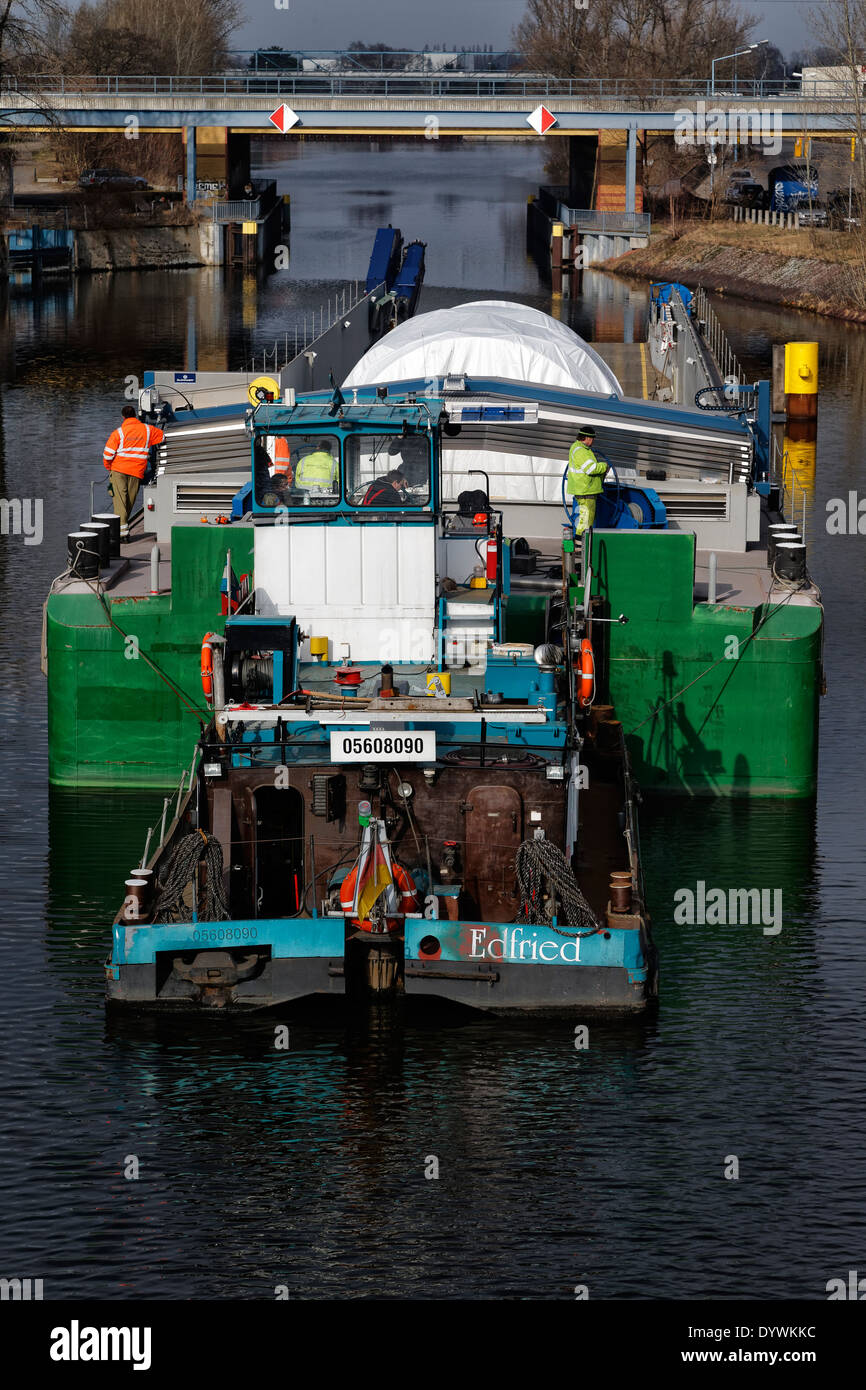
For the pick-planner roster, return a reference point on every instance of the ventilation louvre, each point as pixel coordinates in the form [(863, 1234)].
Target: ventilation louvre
[(204, 497), (694, 506)]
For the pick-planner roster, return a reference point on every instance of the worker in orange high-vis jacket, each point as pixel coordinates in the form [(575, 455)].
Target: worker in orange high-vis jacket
[(282, 456), (125, 455)]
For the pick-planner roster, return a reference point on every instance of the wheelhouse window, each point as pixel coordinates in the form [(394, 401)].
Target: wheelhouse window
[(296, 470), (387, 470)]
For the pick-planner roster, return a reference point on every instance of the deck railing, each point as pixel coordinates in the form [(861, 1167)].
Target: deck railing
[(313, 325), (716, 339), (184, 787), (783, 475)]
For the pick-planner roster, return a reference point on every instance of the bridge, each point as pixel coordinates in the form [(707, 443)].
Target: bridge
[(339, 98)]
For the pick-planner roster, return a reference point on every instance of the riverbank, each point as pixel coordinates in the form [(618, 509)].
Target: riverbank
[(147, 248), (821, 271), (140, 247)]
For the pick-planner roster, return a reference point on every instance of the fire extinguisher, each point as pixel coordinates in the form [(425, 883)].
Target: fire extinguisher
[(492, 559)]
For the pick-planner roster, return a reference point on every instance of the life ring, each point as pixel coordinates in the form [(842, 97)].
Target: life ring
[(587, 672), (207, 666), (405, 885)]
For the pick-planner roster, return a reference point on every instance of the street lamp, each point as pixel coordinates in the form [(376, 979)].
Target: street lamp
[(724, 57)]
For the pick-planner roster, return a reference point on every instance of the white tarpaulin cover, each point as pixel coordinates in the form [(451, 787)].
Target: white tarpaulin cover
[(488, 338)]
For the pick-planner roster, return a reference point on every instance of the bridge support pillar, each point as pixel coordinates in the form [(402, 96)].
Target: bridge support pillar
[(582, 155), (217, 161), (189, 141), (631, 169)]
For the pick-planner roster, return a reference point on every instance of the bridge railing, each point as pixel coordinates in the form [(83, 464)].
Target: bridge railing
[(638, 93), (240, 209), (230, 209), (591, 220)]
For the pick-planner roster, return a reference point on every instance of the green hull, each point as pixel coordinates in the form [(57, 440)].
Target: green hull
[(748, 726), (714, 700), (112, 720)]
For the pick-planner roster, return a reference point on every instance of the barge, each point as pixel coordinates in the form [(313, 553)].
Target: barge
[(362, 819), (717, 676)]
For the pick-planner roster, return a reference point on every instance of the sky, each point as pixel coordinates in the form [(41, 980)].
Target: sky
[(449, 23)]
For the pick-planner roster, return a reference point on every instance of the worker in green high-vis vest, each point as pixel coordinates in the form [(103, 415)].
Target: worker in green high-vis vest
[(585, 474)]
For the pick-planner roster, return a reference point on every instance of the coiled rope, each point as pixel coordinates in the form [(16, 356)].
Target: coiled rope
[(543, 869), (795, 586), (180, 871)]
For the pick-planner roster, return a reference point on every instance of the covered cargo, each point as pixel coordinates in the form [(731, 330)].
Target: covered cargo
[(487, 338)]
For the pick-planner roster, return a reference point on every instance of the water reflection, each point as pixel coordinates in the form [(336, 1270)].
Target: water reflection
[(307, 1167)]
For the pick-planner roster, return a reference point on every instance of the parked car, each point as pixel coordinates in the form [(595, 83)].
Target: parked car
[(814, 216), (747, 193), (111, 178)]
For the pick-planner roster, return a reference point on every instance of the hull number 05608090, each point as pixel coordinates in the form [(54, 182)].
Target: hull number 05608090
[(407, 747)]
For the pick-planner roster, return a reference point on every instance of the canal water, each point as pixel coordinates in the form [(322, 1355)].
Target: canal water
[(307, 1169)]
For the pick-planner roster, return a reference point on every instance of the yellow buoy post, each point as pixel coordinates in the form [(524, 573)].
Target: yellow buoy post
[(801, 380)]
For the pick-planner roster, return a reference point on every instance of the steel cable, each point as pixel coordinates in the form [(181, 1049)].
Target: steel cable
[(540, 868)]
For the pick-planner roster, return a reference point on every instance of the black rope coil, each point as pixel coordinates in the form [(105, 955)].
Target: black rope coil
[(179, 873), (543, 870)]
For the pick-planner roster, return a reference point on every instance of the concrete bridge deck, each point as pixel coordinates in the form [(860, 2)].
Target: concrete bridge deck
[(399, 103)]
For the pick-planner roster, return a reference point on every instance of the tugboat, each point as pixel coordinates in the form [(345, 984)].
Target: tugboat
[(390, 799)]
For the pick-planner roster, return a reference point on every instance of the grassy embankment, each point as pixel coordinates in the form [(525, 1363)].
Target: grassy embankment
[(822, 271)]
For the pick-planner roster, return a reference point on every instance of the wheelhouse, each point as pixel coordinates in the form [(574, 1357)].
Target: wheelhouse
[(378, 458)]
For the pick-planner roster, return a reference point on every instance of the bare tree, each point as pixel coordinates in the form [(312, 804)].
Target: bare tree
[(841, 28), (630, 38), (29, 34), (26, 31), (151, 36)]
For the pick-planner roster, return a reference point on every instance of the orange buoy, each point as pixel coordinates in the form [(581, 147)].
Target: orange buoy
[(587, 672), (207, 666), (403, 882)]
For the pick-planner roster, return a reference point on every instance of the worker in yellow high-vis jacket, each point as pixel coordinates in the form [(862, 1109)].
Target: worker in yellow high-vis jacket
[(585, 475)]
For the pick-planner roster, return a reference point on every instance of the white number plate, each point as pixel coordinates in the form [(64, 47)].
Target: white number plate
[(403, 746)]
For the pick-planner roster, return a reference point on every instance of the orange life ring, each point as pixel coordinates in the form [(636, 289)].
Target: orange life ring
[(405, 885), (587, 672), (207, 666)]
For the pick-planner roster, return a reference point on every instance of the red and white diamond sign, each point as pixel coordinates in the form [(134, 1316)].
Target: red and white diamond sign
[(541, 120), (284, 117)]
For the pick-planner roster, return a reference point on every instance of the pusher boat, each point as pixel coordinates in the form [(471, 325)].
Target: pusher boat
[(391, 798)]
